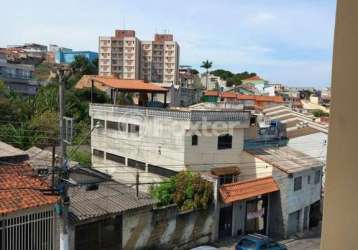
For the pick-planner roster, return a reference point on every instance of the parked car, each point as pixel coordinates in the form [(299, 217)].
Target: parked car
[(258, 242)]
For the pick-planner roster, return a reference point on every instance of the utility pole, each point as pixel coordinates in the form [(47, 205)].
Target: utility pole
[(137, 183), (64, 241)]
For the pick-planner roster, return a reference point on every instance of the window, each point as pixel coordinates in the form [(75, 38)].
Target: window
[(115, 158), (133, 128), (225, 141), (98, 122), (225, 179), (122, 126), (136, 164), (297, 183), (194, 140), (309, 179), (98, 153), (112, 125), (161, 171), (317, 177)]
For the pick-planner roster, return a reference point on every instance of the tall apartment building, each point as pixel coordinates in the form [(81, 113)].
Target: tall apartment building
[(160, 59), (126, 57), (119, 55)]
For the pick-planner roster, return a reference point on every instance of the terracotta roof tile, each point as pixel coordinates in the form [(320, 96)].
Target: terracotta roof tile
[(22, 189), (133, 85), (253, 78), (246, 189)]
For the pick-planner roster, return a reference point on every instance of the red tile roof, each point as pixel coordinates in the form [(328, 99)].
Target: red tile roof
[(22, 189), (246, 189), (129, 85), (253, 78), (222, 94), (261, 98)]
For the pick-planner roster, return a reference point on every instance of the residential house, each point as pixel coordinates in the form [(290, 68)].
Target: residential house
[(214, 82), (272, 190), (165, 141), (27, 205)]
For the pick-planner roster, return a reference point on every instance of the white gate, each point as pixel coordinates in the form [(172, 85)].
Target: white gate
[(28, 231)]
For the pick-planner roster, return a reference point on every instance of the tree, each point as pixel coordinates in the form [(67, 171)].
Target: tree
[(187, 190), (206, 65)]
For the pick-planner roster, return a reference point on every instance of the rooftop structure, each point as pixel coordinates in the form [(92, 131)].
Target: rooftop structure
[(286, 159)]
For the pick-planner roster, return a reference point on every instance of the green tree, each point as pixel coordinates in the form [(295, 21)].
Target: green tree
[(206, 65), (187, 190)]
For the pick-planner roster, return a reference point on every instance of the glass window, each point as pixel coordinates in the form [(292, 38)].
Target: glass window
[(122, 126), (225, 141), (98, 153), (115, 158), (133, 128), (194, 140), (309, 179), (98, 122), (297, 183), (112, 125), (317, 176)]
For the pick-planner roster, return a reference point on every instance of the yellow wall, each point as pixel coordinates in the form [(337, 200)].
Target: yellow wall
[(340, 217)]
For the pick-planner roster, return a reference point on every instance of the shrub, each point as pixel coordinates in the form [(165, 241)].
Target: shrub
[(187, 190)]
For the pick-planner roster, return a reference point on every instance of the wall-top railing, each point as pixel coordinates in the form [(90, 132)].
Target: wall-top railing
[(189, 115)]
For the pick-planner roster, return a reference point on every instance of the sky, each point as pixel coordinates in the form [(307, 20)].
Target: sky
[(284, 41)]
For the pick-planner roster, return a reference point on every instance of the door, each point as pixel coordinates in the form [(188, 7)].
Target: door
[(225, 222), (293, 223)]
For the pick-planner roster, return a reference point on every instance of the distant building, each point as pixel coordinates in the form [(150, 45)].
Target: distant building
[(214, 82), (19, 77), (68, 57), (126, 57)]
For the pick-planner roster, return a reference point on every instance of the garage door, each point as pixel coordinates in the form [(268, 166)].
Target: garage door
[(293, 223)]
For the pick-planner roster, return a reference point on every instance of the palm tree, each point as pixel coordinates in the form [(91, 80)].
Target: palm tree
[(206, 65)]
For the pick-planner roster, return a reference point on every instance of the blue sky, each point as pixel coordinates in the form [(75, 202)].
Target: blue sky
[(287, 41)]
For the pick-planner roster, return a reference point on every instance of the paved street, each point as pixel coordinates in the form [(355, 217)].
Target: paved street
[(309, 241)]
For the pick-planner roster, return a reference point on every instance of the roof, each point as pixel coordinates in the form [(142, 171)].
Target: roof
[(222, 94), (261, 98), (110, 198), (21, 189), (129, 85), (221, 171), (8, 151), (286, 159), (253, 78), (246, 189)]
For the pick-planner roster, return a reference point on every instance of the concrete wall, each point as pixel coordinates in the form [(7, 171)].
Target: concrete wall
[(164, 142), (340, 209), (167, 229), (290, 201)]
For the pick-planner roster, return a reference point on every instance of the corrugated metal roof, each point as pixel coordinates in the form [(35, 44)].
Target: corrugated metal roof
[(110, 198), (246, 189), (7, 150), (286, 159)]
